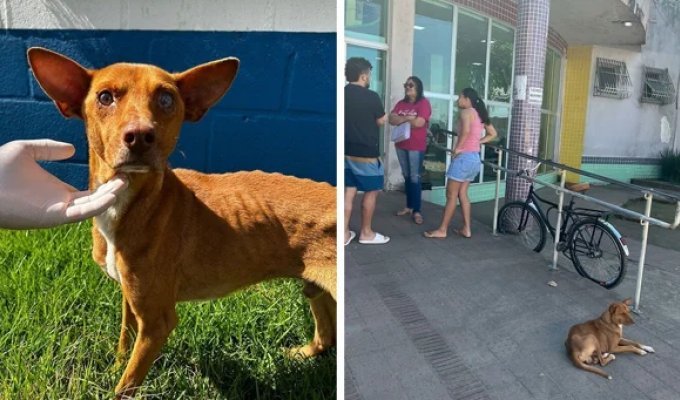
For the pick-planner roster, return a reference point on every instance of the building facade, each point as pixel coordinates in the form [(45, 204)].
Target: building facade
[(279, 115), (608, 100)]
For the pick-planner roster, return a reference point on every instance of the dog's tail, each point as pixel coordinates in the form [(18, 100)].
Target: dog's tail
[(580, 364)]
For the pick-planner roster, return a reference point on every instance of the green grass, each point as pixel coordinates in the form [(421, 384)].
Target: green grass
[(60, 321)]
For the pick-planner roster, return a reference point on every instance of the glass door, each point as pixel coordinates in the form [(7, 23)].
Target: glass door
[(377, 59), (432, 49)]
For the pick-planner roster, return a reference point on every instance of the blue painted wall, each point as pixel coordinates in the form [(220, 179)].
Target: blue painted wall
[(279, 115)]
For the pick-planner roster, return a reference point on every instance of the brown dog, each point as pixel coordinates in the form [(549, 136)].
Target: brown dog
[(595, 341), (177, 235)]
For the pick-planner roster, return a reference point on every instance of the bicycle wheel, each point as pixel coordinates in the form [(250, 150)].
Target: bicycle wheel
[(519, 219), (596, 253)]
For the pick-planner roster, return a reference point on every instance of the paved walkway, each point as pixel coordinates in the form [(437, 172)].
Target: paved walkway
[(474, 318)]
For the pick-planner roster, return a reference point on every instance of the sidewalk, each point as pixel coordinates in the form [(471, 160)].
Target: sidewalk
[(474, 318)]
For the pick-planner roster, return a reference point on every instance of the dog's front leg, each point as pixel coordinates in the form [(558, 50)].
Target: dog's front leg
[(628, 349), (628, 342), (154, 328), (128, 328), (324, 311)]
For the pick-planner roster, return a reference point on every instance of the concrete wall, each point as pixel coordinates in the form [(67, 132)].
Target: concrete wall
[(278, 116), (629, 128), (200, 15)]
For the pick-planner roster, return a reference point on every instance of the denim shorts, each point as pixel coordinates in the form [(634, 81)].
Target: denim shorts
[(464, 168), (365, 176)]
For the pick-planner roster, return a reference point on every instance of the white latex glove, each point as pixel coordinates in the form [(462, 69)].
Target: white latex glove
[(31, 197)]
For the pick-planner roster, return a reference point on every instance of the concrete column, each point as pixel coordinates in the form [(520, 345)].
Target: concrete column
[(530, 48), (399, 67)]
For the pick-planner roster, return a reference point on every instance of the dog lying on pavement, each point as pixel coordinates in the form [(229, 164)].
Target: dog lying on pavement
[(178, 235), (596, 341)]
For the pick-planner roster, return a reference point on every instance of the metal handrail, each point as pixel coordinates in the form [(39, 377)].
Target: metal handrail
[(602, 178), (613, 207), (645, 219)]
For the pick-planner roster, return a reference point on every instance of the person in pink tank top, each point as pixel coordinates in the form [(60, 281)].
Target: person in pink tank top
[(465, 163)]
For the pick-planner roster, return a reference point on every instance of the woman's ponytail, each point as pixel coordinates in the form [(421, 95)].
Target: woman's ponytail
[(477, 104)]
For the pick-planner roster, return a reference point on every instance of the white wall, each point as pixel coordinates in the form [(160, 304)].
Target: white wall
[(629, 128), (201, 15)]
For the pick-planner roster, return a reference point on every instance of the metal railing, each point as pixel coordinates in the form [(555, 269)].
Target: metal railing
[(645, 219)]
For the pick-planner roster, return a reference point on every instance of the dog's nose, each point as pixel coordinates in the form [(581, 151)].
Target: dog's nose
[(139, 139)]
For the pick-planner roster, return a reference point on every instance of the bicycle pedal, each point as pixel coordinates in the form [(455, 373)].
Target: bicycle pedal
[(561, 246)]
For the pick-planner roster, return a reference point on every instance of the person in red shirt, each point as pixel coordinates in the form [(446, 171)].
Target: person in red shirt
[(414, 109)]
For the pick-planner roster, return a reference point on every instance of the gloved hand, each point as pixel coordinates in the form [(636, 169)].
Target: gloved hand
[(31, 197)]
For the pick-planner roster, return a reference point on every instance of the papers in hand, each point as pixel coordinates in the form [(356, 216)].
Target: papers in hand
[(401, 132)]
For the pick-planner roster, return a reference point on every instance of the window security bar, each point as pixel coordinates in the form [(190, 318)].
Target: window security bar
[(612, 79), (657, 86)]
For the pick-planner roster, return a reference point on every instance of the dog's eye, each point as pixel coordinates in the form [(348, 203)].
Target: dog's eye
[(105, 98), (165, 100)]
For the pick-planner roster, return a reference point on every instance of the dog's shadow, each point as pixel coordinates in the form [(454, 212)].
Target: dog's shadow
[(292, 379), (278, 377)]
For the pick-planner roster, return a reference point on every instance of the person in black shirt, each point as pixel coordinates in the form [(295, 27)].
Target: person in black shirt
[(364, 114)]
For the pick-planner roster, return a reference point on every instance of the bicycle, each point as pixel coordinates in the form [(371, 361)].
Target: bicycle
[(594, 246)]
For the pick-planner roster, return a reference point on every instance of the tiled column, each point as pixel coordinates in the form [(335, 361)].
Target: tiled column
[(530, 47)]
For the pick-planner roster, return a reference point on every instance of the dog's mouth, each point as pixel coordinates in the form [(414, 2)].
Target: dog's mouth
[(132, 167)]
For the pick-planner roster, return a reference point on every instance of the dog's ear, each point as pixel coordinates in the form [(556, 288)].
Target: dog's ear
[(628, 301), (64, 80), (202, 86)]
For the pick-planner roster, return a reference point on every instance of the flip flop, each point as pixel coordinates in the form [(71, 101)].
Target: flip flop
[(378, 239), (352, 235), (403, 212), (429, 235), (459, 233), (418, 218)]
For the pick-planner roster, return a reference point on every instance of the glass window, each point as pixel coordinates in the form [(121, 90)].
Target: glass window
[(550, 111), (612, 79), (377, 60), (657, 86), (546, 147), (500, 63), (432, 34), (366, 19), (551, 80), (471, 52), (434, 164), (500, 119)]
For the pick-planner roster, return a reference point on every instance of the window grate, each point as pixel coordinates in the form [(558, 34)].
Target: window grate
[(657, 86), (612, 79)]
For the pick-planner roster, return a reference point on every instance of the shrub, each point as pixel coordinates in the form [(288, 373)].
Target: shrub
[(670, 165)]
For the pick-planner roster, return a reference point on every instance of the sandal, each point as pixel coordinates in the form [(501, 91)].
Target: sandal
[(405, 211), (352, 235), (377, 239), (418, 218)]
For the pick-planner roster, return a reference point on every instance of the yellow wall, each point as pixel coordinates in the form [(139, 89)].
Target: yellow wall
[(575, 106)]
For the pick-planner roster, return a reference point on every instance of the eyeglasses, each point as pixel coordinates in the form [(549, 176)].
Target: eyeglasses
[(409, 85)]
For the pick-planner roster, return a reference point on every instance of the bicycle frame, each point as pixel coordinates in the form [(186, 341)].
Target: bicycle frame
[(570, 215)]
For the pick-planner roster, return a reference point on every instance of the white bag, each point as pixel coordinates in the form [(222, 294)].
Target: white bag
[(401, 132)]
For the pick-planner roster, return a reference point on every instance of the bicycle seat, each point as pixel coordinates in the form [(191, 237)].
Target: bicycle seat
[(578, 187)]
